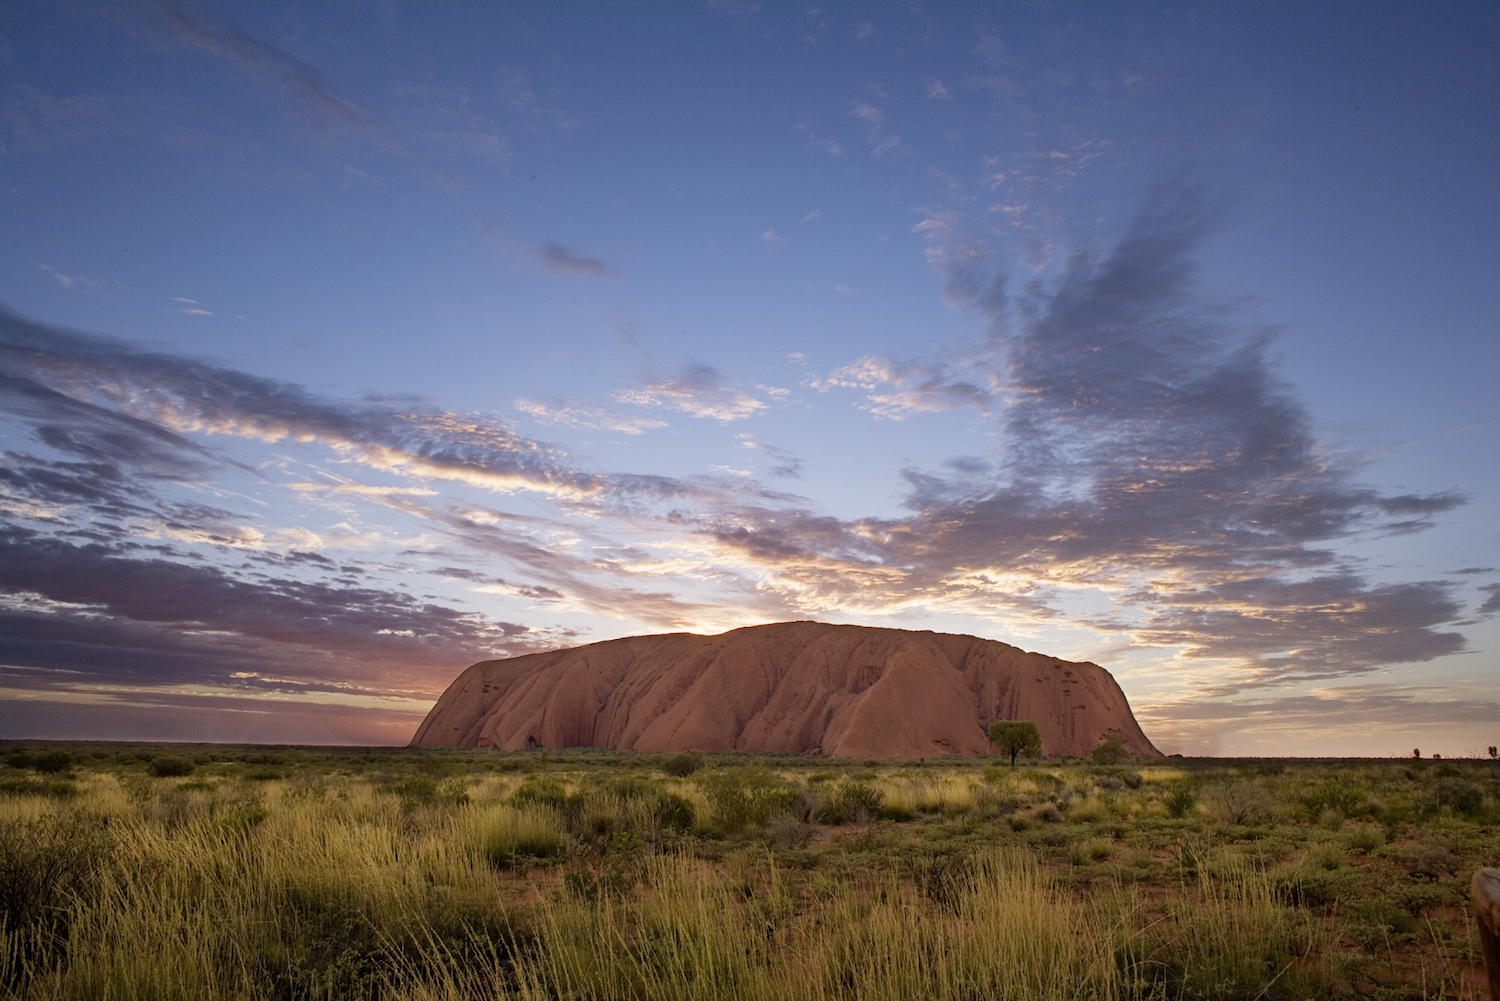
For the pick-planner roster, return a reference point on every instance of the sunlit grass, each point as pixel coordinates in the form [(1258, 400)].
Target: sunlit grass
[(438, 879)]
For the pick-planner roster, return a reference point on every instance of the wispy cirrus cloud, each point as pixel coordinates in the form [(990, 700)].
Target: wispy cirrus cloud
[(700, 390), (298, 80), (897, 390), (101, 395), (584, 416), (881, 141), (1491, 604), (560, 260)]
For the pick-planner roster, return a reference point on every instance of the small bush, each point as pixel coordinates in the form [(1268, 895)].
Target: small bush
[(684, 763), (44, 865), (1240, 803), (1181, 802), (789, 831), (56, 788), (52, 762), (541, 792), (1463, 798), (1092, 850), (1048, 813), (740, 797), (1343, 797), (170, 765), (1111, 750), (897, 810), (674, 812), (853, 802), (511, 833), (1331, 817), (1365, 839)]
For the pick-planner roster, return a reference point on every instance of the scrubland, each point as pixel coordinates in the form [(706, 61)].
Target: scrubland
[(205, 872)]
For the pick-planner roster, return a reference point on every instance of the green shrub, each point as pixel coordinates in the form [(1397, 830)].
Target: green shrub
[(789, 831), (1180, 802), (57, 788), (541, 791), (513, 833), (45, 865), (1342, 796), (740, 797), (1240, 802), (1048, 813), (897, 811), (684, 763), (171, 765), (1464, 798), (852, 802), (19, 760), (1365, 839), (1092, 850), (673, 812), (51, 762), (1111, 750)]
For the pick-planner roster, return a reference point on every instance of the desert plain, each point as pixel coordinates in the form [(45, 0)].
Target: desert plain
[(216, 871)]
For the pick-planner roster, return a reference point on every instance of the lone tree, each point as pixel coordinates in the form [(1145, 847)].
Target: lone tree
[(1016, 736)]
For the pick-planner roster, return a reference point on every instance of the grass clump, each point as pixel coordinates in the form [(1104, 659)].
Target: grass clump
[(512, 834)]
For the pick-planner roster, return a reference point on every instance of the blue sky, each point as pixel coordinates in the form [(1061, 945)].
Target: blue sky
[(346, 345)]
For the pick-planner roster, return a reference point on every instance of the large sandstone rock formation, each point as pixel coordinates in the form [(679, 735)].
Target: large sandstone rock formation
[(802, 687)]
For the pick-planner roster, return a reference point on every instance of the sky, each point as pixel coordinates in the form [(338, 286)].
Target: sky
[(345, 345)]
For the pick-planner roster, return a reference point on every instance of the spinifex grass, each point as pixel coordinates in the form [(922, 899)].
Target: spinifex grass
[(449, 875)]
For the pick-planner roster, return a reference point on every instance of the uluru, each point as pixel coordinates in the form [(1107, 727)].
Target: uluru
[(793, 687)]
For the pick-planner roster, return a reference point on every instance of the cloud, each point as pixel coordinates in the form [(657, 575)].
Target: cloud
[(700, 391), (914, 387), (1491, 605), (739, 10), (98, 397), (829, 146), (64, 280), (559, 260), (585, 416), (788, 465), (1148, 453), (443, 121), (937, 91), (92, 610), (881, 142), (34, 121), (298, 80), (1147, 457)]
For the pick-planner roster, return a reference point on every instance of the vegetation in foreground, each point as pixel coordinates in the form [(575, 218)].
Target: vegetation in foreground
[(201, 872)]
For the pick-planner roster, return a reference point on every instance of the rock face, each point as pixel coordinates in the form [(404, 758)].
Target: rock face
[(800, 687)]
